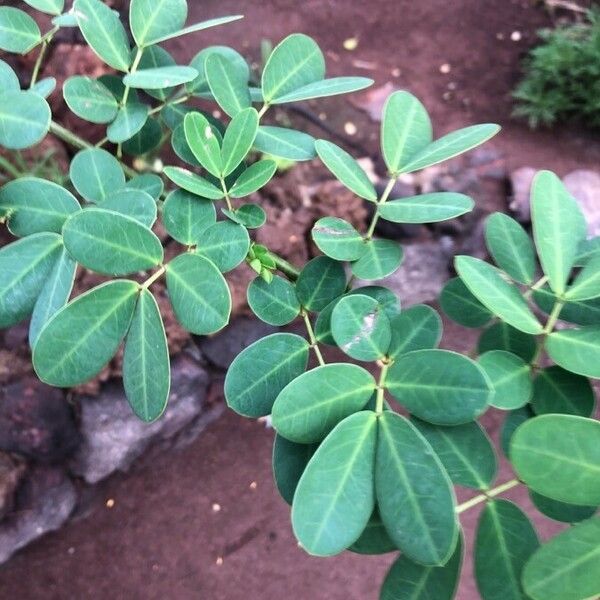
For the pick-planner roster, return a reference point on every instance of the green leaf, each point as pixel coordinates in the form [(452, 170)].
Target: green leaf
[(405, 130), (67, 19), (513, 420), (338, 239), (462, 306), (407, 580), (110, 243), (8, 78), (558, 228), (576, 350), (426, 208), (587, 283), (36, 205), (510, 377), (505, 539), (186, 216), (203, 142), (416, 328), (24, 119), (294, 63), (311, 405), (274, 303), (380, 259), (228, 84), (415, 498), (54, 294), (558, 391), (44, 87), (289, 461), (147, 139), (496, 294), (465, 451), (152, 19), (83, 336), (510, 247), (253, 178), (237, 65), (225, 243), (19, 32), (238, 139), (360, 327), (335, 496), (90, 99), (374, 538), (250, 216), (129, 121), (559, 456), (155, 57), (96, 174), (285, 143), (136, 204), (346, 169), (501, 336), (104, 32), (199, 294), (181, 147), (51, 7), (146, 370), (160, 78), (439, 386), (190, 182), (561, 511), (262, 370), (451, 145), (24, 268), (147, 182), (587, 249), (321, 281), (197, 27), (325, 88), (566, 567)]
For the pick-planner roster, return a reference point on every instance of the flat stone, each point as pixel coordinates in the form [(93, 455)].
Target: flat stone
[(422, 274), (584, 185), (113, 437), (37, 421), (44, 502)]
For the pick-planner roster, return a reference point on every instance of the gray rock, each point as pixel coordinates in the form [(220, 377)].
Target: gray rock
[(220, 349), (113, 437), (423, 272), (584, 185), (45, 501), (11, 473), (36, 421), (520, 181)]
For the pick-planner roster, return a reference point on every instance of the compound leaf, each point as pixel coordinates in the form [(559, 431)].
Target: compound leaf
[(130, 120), (558, 391), (190, 182), (285, 143), (150, 20), (19, 32), (338, 239), (321, 281), (238, 139), (325, 88), (136, 204), (510, 377), (225, 243), (253, 178), (576, 350), (275, 302), (203, 142), (90, 99), (96, 174), (416, 328), (426, 208), (186, 216), (160, 78), (462, 306), (24, 119), (228, 84)]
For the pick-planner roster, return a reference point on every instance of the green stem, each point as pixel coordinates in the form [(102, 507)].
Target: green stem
[(9, 168), (263, 110), (548, 328), (382, 200), (158, 108), (133, 69), (226, 194), (487, 495), (385, 365), (153, 278), (45, 42), (311, 337), (285, 267), (64, 134)]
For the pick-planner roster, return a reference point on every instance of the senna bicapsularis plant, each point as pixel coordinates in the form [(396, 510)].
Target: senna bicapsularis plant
[(359, 475)]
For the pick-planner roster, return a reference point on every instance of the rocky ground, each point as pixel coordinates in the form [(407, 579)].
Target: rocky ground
[(197, 517)]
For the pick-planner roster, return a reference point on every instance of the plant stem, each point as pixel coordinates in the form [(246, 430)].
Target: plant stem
[(263, 110), (158, 108), (311, 337), (558, 305), (45, 41), (64, 134), (487, 495), (226, 194), (153, 278), (285, 267), (133, 69), (382, 200), (9, 168), (385, 365)]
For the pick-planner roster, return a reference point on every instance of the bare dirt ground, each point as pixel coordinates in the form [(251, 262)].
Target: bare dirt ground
[(206, 523)]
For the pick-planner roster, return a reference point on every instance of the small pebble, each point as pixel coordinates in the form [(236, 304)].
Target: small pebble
[(110, 503), (216, 507), (71, 550), (350, 44), (253, 485), (516, 36), (445, 68), (396, 72), (219, 561), (350, 128)]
